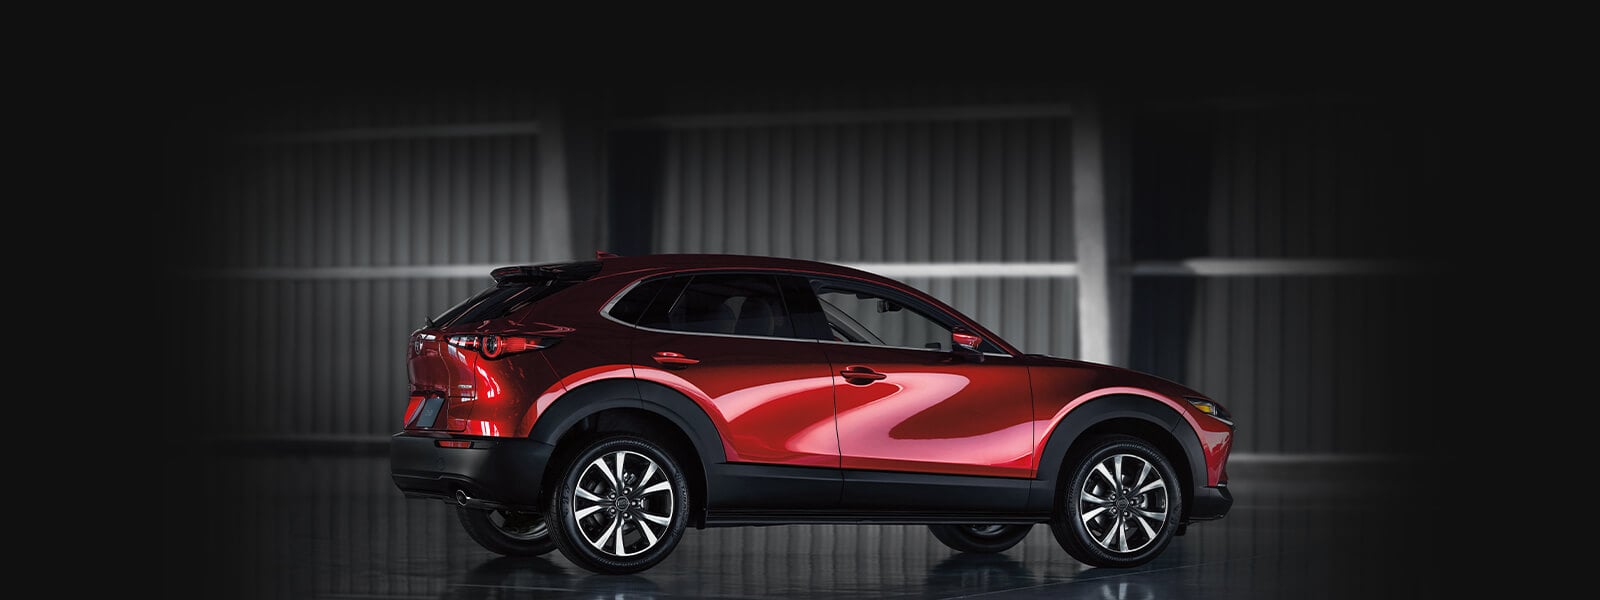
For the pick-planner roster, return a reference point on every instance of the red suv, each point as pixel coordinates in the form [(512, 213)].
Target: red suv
[(601, 407)]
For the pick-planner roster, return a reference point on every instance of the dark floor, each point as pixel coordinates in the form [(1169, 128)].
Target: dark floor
[(312, 525)]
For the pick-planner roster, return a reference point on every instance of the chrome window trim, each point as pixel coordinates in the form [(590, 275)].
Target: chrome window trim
[(605, 311)]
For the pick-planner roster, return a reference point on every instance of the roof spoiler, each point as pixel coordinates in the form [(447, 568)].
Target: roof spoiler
[(572, 271)]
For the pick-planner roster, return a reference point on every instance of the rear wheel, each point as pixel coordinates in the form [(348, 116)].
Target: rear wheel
[(1119, 504), (982, 539), (620, 506), (511, 533)]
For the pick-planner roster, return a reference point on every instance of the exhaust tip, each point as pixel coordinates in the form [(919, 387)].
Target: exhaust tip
[(462, 498)]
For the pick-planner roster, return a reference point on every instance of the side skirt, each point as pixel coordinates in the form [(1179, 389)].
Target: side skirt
[(753, 494), (736, 518)]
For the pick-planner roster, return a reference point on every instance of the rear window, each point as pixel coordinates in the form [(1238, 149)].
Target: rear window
[(500, 300)]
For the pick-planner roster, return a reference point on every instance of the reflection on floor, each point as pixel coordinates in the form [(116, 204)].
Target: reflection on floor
[(333, 526)]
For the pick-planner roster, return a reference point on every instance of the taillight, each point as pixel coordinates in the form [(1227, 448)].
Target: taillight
[(495, 346)]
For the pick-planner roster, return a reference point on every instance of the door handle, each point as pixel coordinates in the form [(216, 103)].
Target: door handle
[(861, 375), (674, 359)]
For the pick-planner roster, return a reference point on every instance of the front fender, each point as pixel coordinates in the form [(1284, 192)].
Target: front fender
[(1082, 417)]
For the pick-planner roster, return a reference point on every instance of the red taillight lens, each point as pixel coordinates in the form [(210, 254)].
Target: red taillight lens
[(454, 444), (495, 346)]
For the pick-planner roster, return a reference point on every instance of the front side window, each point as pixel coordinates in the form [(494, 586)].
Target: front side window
[(722, 303), (862, 315)]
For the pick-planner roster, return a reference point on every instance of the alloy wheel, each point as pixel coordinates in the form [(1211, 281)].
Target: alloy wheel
[(623, 503), (1124, 503)]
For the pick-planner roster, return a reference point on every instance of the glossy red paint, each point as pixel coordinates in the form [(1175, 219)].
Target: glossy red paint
[(768, 396), (817, 416), (965, 340), (932, 412), (796, 402), (1061, 385)]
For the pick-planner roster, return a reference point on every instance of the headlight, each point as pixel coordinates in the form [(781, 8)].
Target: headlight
[(1213, 409)]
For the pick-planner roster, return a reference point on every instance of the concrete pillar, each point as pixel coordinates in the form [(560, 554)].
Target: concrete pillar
[(1099, 212)]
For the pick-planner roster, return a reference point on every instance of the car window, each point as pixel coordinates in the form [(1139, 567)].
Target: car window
[(860, 315), (631, 306), (725, 303), (500, 300)]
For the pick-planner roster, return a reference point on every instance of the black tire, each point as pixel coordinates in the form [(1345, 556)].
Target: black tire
[(507, 532), (588, 525), (1122, 517), (981, 539)]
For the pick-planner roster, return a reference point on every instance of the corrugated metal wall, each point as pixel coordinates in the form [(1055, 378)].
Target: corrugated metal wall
[(310, 355), (1307, 364), (985, 191), (375, 203)]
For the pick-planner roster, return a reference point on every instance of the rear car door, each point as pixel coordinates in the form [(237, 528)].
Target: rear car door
[(727, 340)]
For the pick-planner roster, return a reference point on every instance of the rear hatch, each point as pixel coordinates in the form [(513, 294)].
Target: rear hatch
[(444, 374)]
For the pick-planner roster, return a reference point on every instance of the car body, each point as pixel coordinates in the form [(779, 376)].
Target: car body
[(742, 390)]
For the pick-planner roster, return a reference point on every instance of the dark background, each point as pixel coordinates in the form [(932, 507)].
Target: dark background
[(1301, 248), (1278, 245)]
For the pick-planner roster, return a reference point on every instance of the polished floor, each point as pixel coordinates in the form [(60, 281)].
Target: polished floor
[(330, 525)]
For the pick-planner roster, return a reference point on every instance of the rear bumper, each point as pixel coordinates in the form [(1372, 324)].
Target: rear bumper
[(504, 471), (1210, 503)]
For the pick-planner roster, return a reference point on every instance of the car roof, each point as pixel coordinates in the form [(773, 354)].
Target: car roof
[(663, 263)]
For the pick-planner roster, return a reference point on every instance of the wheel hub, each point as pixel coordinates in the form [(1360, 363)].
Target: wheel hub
[(1123, 503), (623, 503)]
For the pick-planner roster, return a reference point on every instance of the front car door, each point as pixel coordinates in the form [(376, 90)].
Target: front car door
[(906, 403)]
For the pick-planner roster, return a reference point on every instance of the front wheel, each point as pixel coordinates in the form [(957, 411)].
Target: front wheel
[(507, 532), (981, 539), (620, 506), (1119, 504)]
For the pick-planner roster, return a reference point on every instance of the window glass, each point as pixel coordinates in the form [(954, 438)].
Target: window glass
[(858, 315), (500, 300), (632, 305), (732, 304)]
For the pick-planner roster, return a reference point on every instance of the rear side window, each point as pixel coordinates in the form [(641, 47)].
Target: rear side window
[(632, 305), (500, 300), (725, 303)]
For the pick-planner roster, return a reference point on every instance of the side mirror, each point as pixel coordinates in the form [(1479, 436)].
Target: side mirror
[(965, 344)]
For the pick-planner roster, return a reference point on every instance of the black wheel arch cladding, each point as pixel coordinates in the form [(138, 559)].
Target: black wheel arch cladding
[(1123, 406)]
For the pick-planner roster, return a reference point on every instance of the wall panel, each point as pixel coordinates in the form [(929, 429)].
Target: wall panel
[(888, 192)]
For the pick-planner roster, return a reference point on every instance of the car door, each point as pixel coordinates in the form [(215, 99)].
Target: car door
[(727, 340), (906, 402)]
